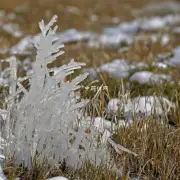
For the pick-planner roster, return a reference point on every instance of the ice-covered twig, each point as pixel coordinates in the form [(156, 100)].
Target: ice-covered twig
[(119, 148)]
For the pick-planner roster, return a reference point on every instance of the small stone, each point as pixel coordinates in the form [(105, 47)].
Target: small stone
[(113, 105), (146, 106), (58, 178), (118, 68), (147, 77)]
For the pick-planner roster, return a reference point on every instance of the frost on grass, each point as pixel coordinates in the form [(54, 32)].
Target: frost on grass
[(42, 121)]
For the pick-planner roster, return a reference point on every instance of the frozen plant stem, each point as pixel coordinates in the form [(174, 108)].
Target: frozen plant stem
[(43, 122)]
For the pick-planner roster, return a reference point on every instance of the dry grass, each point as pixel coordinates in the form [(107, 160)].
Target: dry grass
[(157, 147)]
